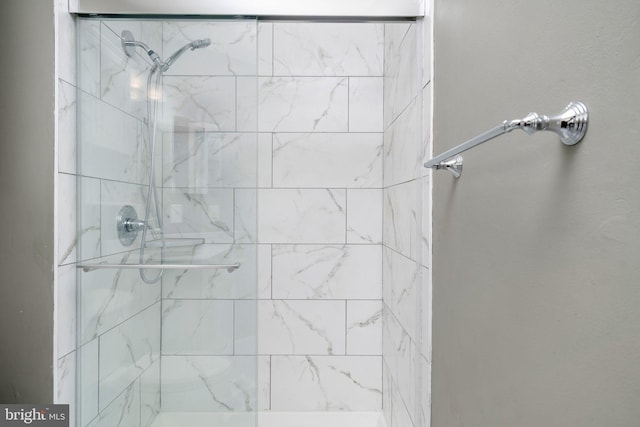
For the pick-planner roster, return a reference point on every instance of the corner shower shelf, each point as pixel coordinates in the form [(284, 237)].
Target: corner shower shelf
[(97, 266)]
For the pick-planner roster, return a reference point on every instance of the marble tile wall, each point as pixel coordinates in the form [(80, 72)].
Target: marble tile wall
[(321, 213), (309, 194), (406, 225)]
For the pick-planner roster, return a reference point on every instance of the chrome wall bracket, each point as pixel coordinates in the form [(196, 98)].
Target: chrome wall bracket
[(453, 165), (570, 125), (126, 38)]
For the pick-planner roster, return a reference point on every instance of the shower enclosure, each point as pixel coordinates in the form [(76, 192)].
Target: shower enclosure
[(250, 239), (167, 170)]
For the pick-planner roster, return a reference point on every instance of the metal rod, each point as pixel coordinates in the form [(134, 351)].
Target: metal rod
[(467, 145), (570, 125), (89, 267)]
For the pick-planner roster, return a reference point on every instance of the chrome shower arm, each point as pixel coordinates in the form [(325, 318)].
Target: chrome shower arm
[(128, 43)]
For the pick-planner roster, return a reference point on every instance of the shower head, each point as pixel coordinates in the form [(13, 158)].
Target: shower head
[(196, 44), (129, 43)]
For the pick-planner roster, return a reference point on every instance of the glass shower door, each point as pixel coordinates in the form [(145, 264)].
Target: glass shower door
[(167, 171)]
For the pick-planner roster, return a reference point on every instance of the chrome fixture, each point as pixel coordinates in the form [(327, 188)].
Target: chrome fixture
[(129, 43), (129, 228), (128, 224), (570, 125), (453, 165)]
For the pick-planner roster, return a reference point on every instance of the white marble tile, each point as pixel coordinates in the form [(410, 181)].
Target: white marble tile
[(264, 383), (399, 353), (66, 310), (364, 215), (364, 327), (426, 319), (265, 48), (199, 103), (264, 271), (400, 411), (88, 358), (245, 327), (90, 239), (425, 403), (327, 272), (303, 104), (66, 218), (114, 195), (301, 216), (365, 104), (124, 411), (232, 51), (127, 351), (110, 143), (426, 50), (387, 385), (400, 228), (317, 160), (65, 385), (208, 383), (401, 73), (326, 383), (245, 215), (328, 49), (197, 327), (247, 104), (301, 327), (427, 118), (66, 31), (199, 212), (123, 82), (109, 297), (208, 159), (88, 76), (403, 146), (400, 289), (265, 159), (66, 380), (66, 127), (212, 284), (150, 394)]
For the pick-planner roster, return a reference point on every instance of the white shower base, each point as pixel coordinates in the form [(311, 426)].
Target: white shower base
[(270, 419)]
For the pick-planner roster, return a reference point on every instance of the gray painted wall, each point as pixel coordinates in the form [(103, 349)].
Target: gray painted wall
[(536, 269), (26, 195)]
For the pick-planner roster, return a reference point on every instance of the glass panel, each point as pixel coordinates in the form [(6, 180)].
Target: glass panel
[(167, 171)]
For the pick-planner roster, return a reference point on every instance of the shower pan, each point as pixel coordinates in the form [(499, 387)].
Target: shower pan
[(166, 161)]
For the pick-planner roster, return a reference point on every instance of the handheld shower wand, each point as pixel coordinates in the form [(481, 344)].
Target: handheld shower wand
[(129, 43), (154, 82), (196, 44)]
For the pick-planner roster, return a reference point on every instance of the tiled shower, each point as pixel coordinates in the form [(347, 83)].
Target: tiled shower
[(294, 149)]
